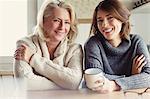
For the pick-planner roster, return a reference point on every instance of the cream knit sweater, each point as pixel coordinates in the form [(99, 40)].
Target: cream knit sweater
[(64, 71)]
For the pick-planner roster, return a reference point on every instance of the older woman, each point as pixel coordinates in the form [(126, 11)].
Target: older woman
[(49, 59), (121, 56)]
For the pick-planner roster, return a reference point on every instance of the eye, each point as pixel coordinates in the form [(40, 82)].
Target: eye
[(67, 22), (56, 20), (99, 21), (110, 18)]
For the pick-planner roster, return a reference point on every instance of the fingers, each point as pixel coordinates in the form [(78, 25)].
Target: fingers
[(100, 90), (100, 84), (140, 61), (105, 88), (141, 66), (134, 61), (20, 52)]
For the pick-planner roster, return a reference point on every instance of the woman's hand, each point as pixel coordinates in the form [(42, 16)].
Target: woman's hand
[(138, 63), (23, 52), (108, 86)]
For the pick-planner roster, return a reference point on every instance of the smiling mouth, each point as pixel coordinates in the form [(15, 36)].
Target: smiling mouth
[(60, 32), (107, 30)]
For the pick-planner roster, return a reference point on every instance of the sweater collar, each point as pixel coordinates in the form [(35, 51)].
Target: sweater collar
[(109, 49), (62, 47)]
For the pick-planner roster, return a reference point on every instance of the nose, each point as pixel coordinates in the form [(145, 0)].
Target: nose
[(105, 23), (62, 25)]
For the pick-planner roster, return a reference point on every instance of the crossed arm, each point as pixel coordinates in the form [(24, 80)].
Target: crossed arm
[(54, 75)]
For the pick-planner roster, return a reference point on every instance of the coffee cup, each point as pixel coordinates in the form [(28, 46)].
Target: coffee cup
[(92, 75)]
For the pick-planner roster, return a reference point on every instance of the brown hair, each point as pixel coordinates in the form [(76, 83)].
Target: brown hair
[(117, 10)]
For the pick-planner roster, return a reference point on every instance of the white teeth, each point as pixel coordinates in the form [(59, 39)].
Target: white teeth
[(107, 30)]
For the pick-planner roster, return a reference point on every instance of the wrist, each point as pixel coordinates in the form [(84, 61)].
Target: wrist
[(115, 86)]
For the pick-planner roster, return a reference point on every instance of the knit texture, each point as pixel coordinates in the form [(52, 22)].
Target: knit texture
[(116, 62), (63, 72)]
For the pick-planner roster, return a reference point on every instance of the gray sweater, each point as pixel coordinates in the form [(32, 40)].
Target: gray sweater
[(116, 62)]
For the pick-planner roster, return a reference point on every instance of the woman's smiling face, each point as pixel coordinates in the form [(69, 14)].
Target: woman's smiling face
[(57, 24), (109, 26)]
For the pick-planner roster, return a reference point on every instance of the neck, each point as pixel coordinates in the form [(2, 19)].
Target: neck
[(52, 46), (115, 43)]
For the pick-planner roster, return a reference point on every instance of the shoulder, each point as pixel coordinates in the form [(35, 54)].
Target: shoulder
[(28, 40), (92, 41), (75, 46), (29, 37), (138, 41), (135, 38)]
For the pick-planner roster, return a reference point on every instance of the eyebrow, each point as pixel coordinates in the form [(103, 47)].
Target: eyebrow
[(61, 19), (106, 16)]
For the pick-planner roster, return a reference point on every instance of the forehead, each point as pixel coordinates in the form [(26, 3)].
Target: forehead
[(59, 12), (101, 14)]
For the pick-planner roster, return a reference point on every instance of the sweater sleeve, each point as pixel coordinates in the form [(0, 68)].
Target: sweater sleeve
[(32, 81), (140, 80), (24, 71), (67, 77)]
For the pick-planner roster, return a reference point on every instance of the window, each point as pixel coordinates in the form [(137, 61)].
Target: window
[(13, 24)]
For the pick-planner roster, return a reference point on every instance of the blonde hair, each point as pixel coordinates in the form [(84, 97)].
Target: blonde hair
[(44, 11)]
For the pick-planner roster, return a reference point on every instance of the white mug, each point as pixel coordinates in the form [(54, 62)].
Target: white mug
[(92, 75)]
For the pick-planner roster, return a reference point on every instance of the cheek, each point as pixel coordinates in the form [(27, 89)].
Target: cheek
[(68, 28), (118, 25), (48, 27), (45, 26), (99, 28)]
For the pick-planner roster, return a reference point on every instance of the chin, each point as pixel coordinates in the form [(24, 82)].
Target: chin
[(59, 39), (109, 38)]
